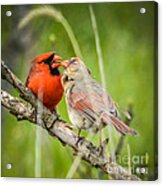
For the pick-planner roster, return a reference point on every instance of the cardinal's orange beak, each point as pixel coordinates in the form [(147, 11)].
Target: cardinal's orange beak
[(62, 63), (55, 65), (56, 58), (56, 61)]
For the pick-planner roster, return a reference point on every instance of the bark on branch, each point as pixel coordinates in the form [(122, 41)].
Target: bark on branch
[(57, 127)]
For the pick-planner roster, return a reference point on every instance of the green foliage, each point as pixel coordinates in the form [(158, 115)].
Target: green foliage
[(127, 45)]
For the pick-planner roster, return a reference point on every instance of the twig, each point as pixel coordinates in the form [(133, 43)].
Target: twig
[(58, 128)]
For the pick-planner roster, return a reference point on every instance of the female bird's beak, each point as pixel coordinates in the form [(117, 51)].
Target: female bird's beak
[(65, 63)]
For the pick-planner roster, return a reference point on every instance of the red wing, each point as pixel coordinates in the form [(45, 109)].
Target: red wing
[(33, 71)]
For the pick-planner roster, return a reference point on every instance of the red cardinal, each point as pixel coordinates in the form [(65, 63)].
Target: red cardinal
[(44, 79)]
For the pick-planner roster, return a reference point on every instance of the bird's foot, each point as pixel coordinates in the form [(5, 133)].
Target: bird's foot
[(102, 146)]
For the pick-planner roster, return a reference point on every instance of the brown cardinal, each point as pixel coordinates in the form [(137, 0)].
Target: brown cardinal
[(44, 79), (89, 106)]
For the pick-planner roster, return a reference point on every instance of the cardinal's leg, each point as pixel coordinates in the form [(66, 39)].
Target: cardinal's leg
[(102, 144), (78, 137), (100, 137), (35, 114), (79, 131)]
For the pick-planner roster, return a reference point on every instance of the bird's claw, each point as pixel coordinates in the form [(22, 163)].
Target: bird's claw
[(102, 146)]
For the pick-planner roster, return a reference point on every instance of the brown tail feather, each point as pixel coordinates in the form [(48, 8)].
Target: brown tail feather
[(118, 124)]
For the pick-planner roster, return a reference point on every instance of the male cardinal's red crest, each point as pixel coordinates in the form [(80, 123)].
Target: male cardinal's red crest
[(44, 79)]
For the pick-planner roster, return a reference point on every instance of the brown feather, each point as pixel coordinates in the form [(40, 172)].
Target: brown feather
[(118, 124)]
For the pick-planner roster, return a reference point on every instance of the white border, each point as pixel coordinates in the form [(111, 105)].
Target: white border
[(5, 2), (43, 182)]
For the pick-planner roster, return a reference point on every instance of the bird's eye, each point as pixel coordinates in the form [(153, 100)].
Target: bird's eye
[(72, 61), (74, 66)]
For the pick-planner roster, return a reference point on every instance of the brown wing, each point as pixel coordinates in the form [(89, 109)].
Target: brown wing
[(85, 103), (93, 102), (107, 102)]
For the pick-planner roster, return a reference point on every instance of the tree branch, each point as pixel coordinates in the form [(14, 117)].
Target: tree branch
[(58, 128)]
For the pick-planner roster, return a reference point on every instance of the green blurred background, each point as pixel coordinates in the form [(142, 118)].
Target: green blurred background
[(127, 44)]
